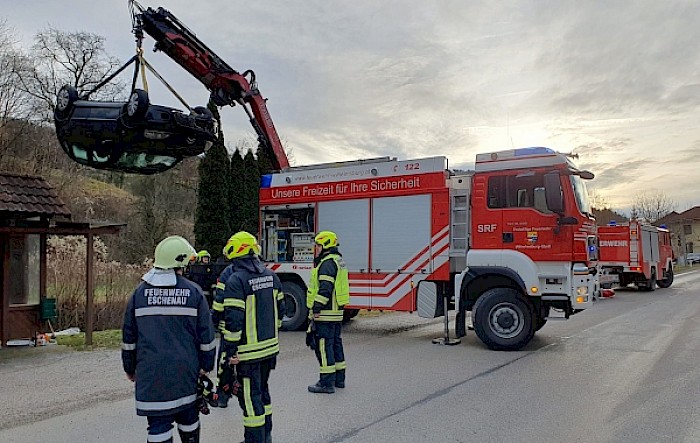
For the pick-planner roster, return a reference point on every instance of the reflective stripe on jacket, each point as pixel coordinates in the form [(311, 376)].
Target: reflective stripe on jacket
[(252, 303), (329, 289), (168, 337)]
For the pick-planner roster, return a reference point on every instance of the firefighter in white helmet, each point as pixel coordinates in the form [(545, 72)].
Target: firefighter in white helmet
[(252, 302), (328, 292), (168, 342)]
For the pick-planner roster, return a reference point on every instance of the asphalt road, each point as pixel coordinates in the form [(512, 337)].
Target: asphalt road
[(627, 370)]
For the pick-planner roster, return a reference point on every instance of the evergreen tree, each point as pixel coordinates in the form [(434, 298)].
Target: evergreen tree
[(264, 161), (212, 228), (236, 194), (251, 188)]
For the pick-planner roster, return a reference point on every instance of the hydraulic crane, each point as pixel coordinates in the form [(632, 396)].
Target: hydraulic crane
[(228, 87)]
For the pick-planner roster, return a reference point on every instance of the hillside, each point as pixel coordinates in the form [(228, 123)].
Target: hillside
[(152, 206)]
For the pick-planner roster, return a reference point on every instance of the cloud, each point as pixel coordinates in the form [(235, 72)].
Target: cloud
[(615, 82)]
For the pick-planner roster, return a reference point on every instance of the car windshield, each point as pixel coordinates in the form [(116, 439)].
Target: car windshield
[(81, 155), (146, 163)]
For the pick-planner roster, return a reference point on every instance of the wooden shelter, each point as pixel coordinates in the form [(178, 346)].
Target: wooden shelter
[(30, 211)]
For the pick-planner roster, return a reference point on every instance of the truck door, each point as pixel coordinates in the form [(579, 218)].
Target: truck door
[(528, 225), (400, 248)]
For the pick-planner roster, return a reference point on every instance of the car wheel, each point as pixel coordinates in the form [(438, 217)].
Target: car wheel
[(65, 99), (503, 319), (137, 105), (202, 111), (296, 313), (205, 119)]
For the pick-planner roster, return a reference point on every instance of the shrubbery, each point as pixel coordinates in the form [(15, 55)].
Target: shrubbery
[(114, 283)]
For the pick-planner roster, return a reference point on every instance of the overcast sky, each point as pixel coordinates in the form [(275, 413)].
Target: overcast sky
[(617, 82)]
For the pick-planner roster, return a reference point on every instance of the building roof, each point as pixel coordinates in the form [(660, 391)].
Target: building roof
[(674, 217), (29, 196)]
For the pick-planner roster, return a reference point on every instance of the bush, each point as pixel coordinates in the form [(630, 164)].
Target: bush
[(114, 283)]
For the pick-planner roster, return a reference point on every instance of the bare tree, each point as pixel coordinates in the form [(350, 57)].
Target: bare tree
[(12, 99), (598, 200), (60, 58), (650, 206)]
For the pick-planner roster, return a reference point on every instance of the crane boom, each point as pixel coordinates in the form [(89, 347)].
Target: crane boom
[(228, 87)]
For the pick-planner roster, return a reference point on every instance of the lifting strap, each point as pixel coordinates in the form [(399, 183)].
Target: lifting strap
[(142, 63)]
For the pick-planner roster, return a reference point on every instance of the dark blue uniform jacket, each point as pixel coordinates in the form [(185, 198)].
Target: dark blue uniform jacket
[(168, 336)]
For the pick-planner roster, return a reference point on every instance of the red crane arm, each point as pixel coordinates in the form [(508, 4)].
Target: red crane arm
[(227, 86)]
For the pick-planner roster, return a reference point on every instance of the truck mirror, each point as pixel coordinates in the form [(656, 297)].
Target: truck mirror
[(586, 175), (553, 194), (428, 300)]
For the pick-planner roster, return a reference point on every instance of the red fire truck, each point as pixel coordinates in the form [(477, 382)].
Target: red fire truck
[(508, 241), (635, 253)]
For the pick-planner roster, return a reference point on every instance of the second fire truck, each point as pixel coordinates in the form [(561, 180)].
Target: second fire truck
[(635, 253)]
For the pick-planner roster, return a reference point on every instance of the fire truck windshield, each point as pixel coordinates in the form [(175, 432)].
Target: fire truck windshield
[(581, 194)]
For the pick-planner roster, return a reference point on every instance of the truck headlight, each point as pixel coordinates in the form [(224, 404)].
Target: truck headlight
[(582, 290)]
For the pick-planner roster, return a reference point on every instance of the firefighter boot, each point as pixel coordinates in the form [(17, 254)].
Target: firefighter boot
[(223, 398), (340, 378), (320, 388), (189, 437)]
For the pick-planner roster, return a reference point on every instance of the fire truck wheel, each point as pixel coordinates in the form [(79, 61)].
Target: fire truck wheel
[(650, 284), (540, 317), (349, 314), (539, 322), (667, 280), (503, 319), (295, 302)]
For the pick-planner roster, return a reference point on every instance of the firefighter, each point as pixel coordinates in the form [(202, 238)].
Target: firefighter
[(252, 300), (328, 292), (168, 342), (203, 257), (224, 376)]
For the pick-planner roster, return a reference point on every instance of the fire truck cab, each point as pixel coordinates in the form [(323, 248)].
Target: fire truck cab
[(508, 241)]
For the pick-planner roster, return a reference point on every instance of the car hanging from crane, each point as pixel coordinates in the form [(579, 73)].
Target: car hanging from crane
[(143, 138)]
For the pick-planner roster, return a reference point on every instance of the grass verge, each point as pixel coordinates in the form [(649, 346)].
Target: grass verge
[(111, 339)]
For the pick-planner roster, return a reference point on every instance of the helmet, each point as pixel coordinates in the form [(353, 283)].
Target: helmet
[(240, 244), (327, 239), (203, 253), (173, 252)]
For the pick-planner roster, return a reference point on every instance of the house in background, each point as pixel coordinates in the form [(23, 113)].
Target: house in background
[(685, 230), (30, 211)]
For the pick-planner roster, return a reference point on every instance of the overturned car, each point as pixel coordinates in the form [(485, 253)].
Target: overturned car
[(134, 136)]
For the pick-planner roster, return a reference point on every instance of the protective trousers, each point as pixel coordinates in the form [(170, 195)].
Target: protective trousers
[(224, 375), (254, 399), (329, 352), (160, 428)]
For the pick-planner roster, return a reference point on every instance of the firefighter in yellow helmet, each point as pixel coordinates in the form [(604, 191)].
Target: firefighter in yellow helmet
[(252, 302), (203, 257), (328, 292)]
